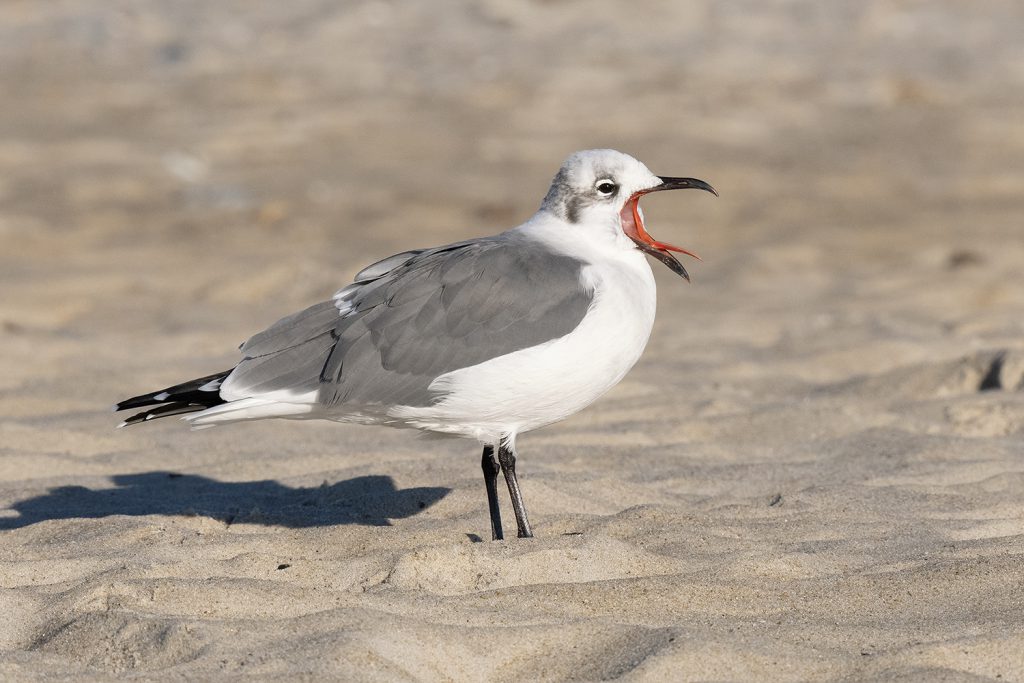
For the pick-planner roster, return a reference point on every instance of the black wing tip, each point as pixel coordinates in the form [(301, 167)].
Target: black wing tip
[(166, 410), (192, 394), (136, 402)]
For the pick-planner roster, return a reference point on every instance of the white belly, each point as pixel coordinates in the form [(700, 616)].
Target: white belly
[(543, 384)]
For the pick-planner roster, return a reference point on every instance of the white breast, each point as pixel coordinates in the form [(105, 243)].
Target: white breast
[(543, 384)]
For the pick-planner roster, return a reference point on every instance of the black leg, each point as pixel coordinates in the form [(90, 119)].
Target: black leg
[(507, 458), (491, 469)]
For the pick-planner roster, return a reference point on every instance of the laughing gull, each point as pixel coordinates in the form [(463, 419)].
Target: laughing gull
[(484, 339)]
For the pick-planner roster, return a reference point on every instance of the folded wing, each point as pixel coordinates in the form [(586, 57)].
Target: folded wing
[(411, 318)]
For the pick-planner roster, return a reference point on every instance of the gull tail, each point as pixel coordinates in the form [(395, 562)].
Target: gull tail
[(187, 397)]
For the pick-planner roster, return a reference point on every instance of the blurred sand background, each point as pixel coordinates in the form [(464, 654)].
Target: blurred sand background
[(816, 472)]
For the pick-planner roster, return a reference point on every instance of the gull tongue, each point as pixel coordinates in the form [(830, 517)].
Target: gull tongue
[(649, 239), (633, 226)]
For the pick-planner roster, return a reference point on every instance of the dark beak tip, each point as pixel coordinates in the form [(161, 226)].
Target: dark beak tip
[(669, 183), (665, 257)]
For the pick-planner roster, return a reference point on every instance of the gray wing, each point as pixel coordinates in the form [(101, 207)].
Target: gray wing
[(415, 316)]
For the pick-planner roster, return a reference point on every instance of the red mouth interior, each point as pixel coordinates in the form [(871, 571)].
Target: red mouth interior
[(633, 226)]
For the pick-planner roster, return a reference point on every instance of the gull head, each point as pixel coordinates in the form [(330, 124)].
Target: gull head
[(603, 186)]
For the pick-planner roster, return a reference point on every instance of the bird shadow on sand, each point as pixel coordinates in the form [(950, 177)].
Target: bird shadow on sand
[(371, 500)]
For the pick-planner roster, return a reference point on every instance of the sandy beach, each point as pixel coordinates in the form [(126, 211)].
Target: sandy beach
[(815, 472)]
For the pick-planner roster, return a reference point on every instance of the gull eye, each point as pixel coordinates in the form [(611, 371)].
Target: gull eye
[(607, 187)]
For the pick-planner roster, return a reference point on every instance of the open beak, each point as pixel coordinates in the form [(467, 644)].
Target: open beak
[(633, 223)]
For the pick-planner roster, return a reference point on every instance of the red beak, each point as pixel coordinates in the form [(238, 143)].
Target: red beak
[(633, 224)]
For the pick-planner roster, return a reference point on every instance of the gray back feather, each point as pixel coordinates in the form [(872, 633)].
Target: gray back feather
[(414, 316)]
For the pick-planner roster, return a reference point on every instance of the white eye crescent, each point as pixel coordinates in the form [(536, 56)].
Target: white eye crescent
[(607, 187)]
